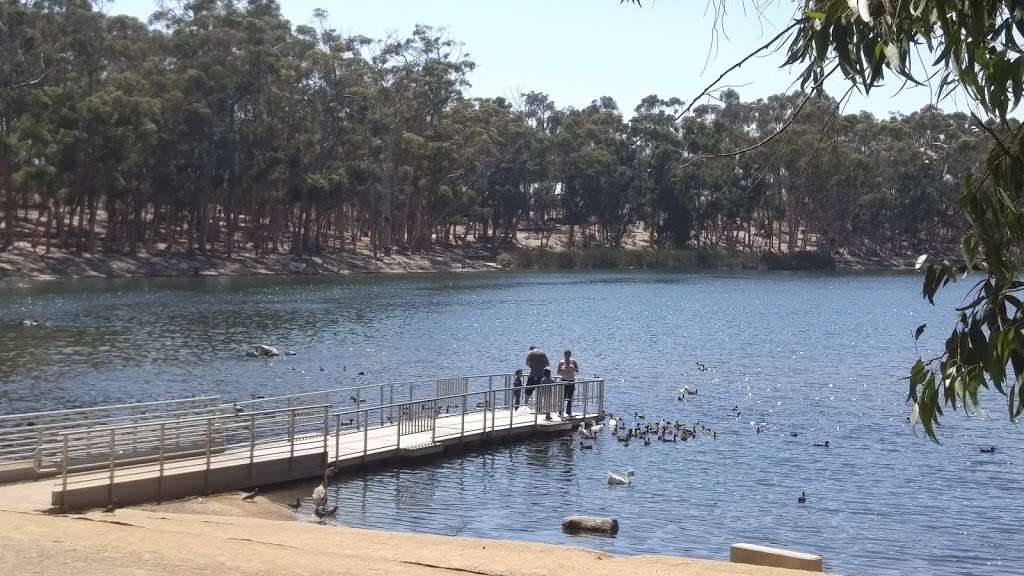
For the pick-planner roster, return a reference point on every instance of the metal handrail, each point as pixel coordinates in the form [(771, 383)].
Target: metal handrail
[(204, 442), (7, 417)]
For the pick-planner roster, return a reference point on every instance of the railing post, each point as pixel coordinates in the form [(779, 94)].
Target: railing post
[(600, 398), (160, 481), (382, 404), (64, 472), (252, 444), (433, 421), (537, 403), (327, 430), (366, 435), (209, 447), (110, 488), (462, 423), (586, 390), (487, 403), (337, 436), (291, 435), (511, 413), (398, 429)]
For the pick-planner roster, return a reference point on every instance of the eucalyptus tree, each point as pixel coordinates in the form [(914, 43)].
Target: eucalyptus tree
[(975, 47)]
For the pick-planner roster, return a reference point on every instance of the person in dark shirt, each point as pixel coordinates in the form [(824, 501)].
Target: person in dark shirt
[(536, 361), (548, 391)]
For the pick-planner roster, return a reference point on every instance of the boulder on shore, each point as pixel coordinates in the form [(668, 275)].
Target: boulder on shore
[(267, 350), (599, 524)]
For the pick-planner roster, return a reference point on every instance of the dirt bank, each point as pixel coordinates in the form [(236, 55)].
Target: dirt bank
[(25, 263), (157, 541)]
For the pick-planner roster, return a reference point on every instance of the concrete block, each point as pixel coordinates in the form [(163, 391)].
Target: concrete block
[(774, 557)]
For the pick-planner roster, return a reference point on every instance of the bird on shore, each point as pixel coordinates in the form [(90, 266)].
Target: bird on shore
[(991, 450), (617, 480), (323, 513), (250, 496), (111, 507), (802, 498), (296, 505), (320, 492)]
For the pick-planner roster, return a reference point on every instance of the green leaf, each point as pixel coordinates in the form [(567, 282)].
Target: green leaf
[(919, 331)]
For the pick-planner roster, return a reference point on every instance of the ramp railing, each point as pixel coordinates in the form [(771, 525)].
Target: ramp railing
[(158, 449), (22, 435), (358, 432)]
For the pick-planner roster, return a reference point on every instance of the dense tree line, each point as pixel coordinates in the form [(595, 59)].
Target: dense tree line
[(219, 126)]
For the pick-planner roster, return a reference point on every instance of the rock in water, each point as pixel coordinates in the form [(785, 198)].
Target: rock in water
[(599, 524), (267, 350)]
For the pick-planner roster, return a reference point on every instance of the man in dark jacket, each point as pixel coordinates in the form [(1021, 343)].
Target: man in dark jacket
[(536, 361)]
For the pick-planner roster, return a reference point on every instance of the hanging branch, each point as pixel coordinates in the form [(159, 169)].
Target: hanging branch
[(772, 136), (757, 51)]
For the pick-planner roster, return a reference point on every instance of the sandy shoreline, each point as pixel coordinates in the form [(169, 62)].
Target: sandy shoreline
[(24, 263), (224, 535)]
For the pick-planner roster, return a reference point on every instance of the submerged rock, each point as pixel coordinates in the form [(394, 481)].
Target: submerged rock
[(599, 524)]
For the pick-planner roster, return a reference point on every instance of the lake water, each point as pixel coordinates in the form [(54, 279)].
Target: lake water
[(819, 355)]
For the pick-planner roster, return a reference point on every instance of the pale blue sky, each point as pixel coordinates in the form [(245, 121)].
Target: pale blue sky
[(579, 50)]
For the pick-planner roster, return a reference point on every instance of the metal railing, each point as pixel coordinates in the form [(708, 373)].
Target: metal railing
[(158, 449), (159, 444), (23, 435), (359, 432)]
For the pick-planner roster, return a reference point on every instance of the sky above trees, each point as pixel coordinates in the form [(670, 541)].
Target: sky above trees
[(579, 50)]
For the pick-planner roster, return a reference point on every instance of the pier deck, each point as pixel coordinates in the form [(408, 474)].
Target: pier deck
[(249, 446)]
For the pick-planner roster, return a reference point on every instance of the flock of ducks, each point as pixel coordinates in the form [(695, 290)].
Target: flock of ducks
[(663, 431)]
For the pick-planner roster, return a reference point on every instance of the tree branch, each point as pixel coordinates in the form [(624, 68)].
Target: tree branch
[(757, 51), (769, 138)]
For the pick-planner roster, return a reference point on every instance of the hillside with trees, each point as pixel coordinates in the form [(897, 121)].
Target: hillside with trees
[(221, 128)]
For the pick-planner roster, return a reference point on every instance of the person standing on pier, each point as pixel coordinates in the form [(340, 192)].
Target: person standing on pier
[(536, 361), (517, 384), (568, 368)]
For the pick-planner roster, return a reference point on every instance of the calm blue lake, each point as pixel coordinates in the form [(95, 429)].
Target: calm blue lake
[(818, 355)]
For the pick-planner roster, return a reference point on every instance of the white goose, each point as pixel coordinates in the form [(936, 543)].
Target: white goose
[(613, 423), (616, 480)]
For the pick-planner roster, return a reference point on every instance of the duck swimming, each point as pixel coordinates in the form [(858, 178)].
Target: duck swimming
[(802, 498), (617, 480), (825, 445), (991, 450)]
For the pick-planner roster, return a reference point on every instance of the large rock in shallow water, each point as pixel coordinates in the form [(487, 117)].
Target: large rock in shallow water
[(266, 350), (599, 524)]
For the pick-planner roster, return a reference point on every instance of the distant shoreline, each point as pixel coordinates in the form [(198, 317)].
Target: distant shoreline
[(23, 263)]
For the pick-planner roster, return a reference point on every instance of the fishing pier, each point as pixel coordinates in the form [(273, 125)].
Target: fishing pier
[(154, 451)]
